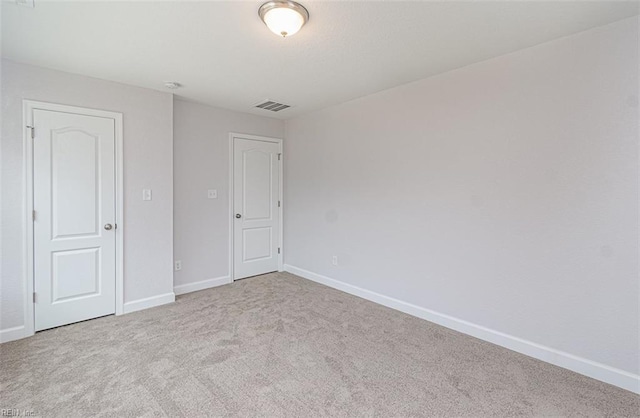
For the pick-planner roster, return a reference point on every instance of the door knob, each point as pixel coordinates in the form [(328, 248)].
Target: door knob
[(108, 227), (238, 216)]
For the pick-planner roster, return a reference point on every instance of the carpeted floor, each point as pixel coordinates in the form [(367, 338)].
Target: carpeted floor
[(278, 345)]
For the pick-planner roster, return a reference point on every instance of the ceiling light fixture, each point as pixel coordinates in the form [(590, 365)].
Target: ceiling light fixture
[(283, 18)]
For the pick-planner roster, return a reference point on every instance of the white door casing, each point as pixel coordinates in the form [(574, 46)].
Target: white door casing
[(256, 206), (75, 207)]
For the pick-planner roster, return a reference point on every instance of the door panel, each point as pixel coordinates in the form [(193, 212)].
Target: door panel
[(257, 243), (74, 166), (256, 193), (75, 273), (74, 197)]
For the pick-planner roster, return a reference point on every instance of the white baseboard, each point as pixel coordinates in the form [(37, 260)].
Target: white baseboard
[(201, 285), (12, 334), (16, 333), (140, 304), (599, 371)]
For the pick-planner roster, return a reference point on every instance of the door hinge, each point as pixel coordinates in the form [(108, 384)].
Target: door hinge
[(35, 299), (279, 155), (278, 250), (32, 131), (278, 203), (33, 215)]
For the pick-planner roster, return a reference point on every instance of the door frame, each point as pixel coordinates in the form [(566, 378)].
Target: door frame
[(279, 141), (28, 106)]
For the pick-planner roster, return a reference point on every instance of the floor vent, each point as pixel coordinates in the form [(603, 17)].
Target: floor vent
[(272, 106)]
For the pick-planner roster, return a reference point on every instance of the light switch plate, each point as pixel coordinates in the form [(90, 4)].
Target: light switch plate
[(26, 3), (212, 194), (146, 194)]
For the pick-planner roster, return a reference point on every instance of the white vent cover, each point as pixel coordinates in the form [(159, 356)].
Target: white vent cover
[(271, 105)]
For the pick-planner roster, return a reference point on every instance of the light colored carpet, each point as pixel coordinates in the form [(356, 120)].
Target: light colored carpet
[(278, 345)]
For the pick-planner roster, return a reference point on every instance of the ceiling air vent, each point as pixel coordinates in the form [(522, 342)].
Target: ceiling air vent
[(271, 105)]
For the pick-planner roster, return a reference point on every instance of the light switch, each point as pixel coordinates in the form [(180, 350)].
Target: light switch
[(146, 194), (27, 3), (212, 194)]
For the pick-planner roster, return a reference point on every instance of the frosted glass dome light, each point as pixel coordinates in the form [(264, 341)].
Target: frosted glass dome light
[(284, 18)]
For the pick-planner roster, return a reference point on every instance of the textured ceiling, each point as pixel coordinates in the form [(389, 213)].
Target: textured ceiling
[(224, 56)]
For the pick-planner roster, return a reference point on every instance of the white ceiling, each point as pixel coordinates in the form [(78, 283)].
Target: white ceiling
[(224, 55)]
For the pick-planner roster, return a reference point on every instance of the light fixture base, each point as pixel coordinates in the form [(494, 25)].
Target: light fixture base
[(172, 85)]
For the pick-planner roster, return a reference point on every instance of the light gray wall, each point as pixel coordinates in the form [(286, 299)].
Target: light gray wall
[(201, 162), (148, 162), (504, 193)]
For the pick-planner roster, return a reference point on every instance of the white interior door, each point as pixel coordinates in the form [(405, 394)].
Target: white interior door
[(74, 225), (256, 190)]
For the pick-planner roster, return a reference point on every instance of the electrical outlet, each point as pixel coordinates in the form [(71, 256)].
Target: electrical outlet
[(146, 194), (178, 264), (212, 194), (334, 260)]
